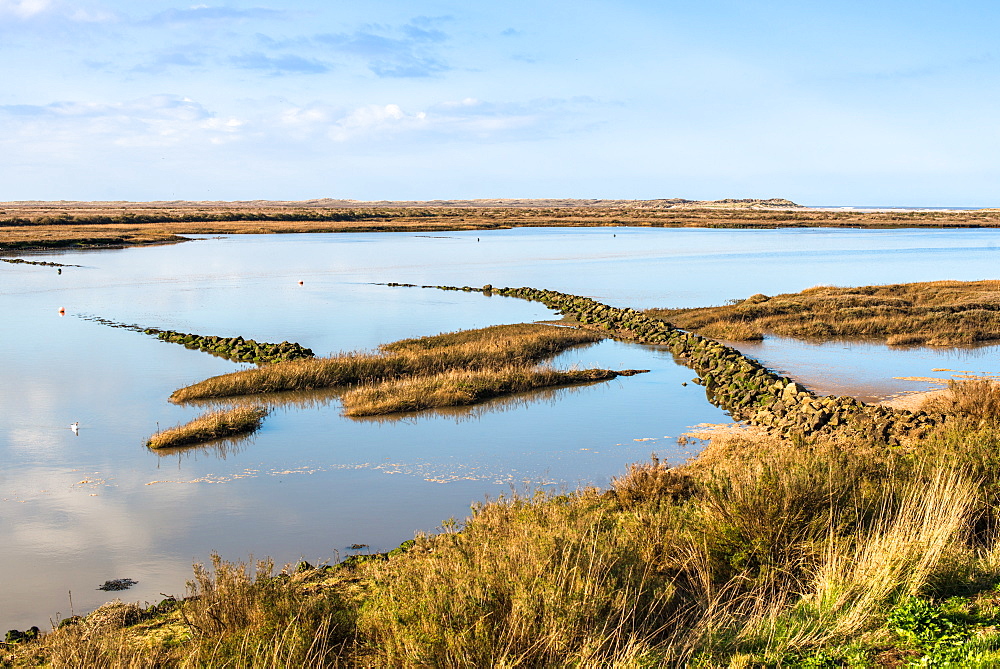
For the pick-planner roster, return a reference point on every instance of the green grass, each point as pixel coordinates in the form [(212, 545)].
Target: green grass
[(938, 313), (220, 424)]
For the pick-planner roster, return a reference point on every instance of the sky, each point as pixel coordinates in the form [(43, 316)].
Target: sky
[(824, 103)]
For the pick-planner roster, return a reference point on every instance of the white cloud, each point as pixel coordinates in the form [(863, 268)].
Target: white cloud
[(154, 121), (375, 120), (90, 16), (178, 137), (461, 120), (24, 9), (53, 10)]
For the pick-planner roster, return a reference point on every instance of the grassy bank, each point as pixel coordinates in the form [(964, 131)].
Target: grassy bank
[(233, 422), (937, 313), (760, 553), (486, 348)]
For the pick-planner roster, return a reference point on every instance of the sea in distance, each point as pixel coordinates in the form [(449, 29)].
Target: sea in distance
[(80, 508)]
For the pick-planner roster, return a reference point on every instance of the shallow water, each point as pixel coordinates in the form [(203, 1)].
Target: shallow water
[(77, 510)]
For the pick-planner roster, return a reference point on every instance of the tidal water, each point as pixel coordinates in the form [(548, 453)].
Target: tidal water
[(79, 509)]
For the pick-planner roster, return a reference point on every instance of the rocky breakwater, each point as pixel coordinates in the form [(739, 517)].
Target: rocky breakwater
[(740, 385), (237, 349)]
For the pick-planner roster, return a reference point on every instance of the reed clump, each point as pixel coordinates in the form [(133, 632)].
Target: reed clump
[(486, 348), (977, 398), (220, 424), (936, 313), (459, 388)]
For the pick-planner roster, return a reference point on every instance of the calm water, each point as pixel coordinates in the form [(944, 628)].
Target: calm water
[(77, 510)]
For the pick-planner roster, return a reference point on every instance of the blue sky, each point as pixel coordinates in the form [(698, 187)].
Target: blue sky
[(840, 103)]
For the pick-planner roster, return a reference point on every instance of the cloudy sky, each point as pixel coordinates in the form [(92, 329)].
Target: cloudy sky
[(838, 103)]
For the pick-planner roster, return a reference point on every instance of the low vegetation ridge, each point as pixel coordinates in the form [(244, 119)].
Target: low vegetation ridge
[(238, 421), (935, 313)]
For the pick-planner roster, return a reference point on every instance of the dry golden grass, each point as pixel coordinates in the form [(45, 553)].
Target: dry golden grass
[(485, 348), (977, 398), (459, 387), (938, 313), (215, 425)]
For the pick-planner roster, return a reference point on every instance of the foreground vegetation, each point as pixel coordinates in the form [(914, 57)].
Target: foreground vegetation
[(936, 313), (221, 424), (761, 552)]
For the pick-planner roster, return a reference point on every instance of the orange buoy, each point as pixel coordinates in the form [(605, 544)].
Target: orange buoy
[(62, 311), (300, 283)]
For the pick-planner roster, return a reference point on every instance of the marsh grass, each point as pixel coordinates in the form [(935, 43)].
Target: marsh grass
[(491, 347), (215, 425), (246, 616), (459, 388), (938, 313)]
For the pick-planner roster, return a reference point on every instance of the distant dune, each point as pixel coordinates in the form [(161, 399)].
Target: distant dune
[(326, 203)]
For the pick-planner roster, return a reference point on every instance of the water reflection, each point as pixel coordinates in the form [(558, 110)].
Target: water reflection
[(870, 371), (219, 448), (290, 399), (78, 511), (474, 412)]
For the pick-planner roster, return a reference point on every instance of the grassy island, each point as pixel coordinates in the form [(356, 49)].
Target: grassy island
[(492, 348), (460, 387), (233, 422)]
